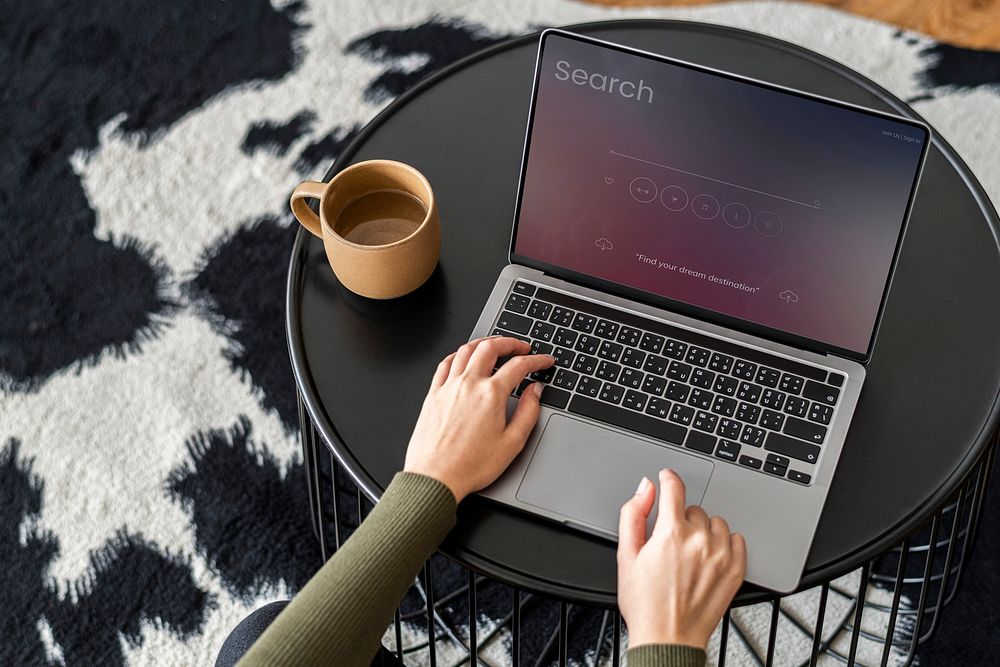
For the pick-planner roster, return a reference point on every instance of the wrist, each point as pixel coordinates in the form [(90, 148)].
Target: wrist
[(644, 636), (452, 485)]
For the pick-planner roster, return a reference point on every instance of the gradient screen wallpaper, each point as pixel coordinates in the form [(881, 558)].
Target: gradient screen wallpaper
[(763, 206)]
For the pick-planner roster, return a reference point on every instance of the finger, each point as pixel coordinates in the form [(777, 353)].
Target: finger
[(739, 546), (696, 516), (525, 415), (443, 368), (462, 356), (485, 356), (511, 373), (671, 512), (720, 532), (632, 520)]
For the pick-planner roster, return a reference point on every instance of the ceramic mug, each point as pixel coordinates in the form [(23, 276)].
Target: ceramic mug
[(379, 224)]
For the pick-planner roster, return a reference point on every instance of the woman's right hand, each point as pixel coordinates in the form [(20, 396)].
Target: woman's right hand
[(675, 585)]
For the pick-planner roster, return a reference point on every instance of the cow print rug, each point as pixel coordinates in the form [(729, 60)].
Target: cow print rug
[(151, 483)]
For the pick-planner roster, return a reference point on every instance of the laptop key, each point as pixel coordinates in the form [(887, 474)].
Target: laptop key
[(651, 342), (584, 322), (772, 398), (705, 421), (700, 442), (501, 332), (564, 357), (772, 420), (681, 414), (587, 344), (538, 347), (607, 371), (723, 405), (556, 398), (562, 317), (778, 460), (564, 337), (702, 378), (791, 447), (729, 428), (610, 351), (678, 371), (796, 406), (726, 385), (658, 407), (700, 399), (540, 310), (589, 387), (525, 383), (606, 329), (544, 375), (543, 331), (628, 419), (629, 336), (514, 322), (674, 349), (728, 450), (720, 363), (612, 393), (655, 364), (801, 428), (744, 369), (631, 378), (790, 383), (633, 357), (768, 377), (634, 400), (524, 288), (751, 462), (678, 392), (518, 303), (748, 413), (752, 436), (774, 470), (566, 379), (585, 364), (697, 356), (836, 379), (748, 392), (823, 393), (820, 413), (653, 384), (799, 477)]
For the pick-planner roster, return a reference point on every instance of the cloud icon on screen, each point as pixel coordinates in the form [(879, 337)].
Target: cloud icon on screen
[(604, 244), (788, 296)]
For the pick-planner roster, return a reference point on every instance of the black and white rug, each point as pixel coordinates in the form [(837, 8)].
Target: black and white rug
[(151, 488)]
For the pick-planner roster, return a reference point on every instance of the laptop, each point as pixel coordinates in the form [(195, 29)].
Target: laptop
[(707, 257)]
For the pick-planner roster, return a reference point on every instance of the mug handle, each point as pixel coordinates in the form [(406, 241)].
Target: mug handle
[(300, 207)]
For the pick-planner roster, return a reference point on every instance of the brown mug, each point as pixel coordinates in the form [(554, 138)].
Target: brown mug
[(379, 224)]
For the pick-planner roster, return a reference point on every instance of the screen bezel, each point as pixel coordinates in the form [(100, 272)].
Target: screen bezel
[(660, 301)]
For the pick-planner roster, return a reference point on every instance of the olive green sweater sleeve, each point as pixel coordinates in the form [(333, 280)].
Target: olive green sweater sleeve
[(341, 614)]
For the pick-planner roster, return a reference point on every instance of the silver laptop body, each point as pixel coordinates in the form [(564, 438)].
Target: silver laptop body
[(672, 401)]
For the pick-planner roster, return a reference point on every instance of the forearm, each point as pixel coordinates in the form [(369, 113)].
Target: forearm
[(340, 615), (665, 655)]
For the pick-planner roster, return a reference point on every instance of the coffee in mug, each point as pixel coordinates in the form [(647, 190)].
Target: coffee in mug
[(379, 224)]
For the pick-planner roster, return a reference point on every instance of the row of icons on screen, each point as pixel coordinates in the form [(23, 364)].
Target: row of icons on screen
[(705, 206)]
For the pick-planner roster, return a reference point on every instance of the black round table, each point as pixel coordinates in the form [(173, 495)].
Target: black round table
[(928, 410)]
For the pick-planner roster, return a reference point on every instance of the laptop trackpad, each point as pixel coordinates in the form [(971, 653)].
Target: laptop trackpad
[(585, 472)]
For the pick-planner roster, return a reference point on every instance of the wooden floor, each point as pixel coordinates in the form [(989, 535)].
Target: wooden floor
[(969, 23)]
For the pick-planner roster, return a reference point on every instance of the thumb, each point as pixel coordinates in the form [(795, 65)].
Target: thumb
[(632, 520), (525, 415)]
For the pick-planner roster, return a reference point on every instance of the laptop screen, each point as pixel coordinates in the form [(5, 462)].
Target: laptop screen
[(739, 201)]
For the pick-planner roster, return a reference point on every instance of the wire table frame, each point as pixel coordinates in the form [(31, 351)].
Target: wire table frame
[(877, 614)]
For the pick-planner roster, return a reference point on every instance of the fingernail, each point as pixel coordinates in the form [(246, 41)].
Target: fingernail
[(537, 388), (643, 485)]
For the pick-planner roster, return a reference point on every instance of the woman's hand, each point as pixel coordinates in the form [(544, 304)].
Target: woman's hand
[(675, 585), (462, 437)]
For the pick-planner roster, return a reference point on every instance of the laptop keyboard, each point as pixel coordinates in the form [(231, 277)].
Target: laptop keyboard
[(716, 397)]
